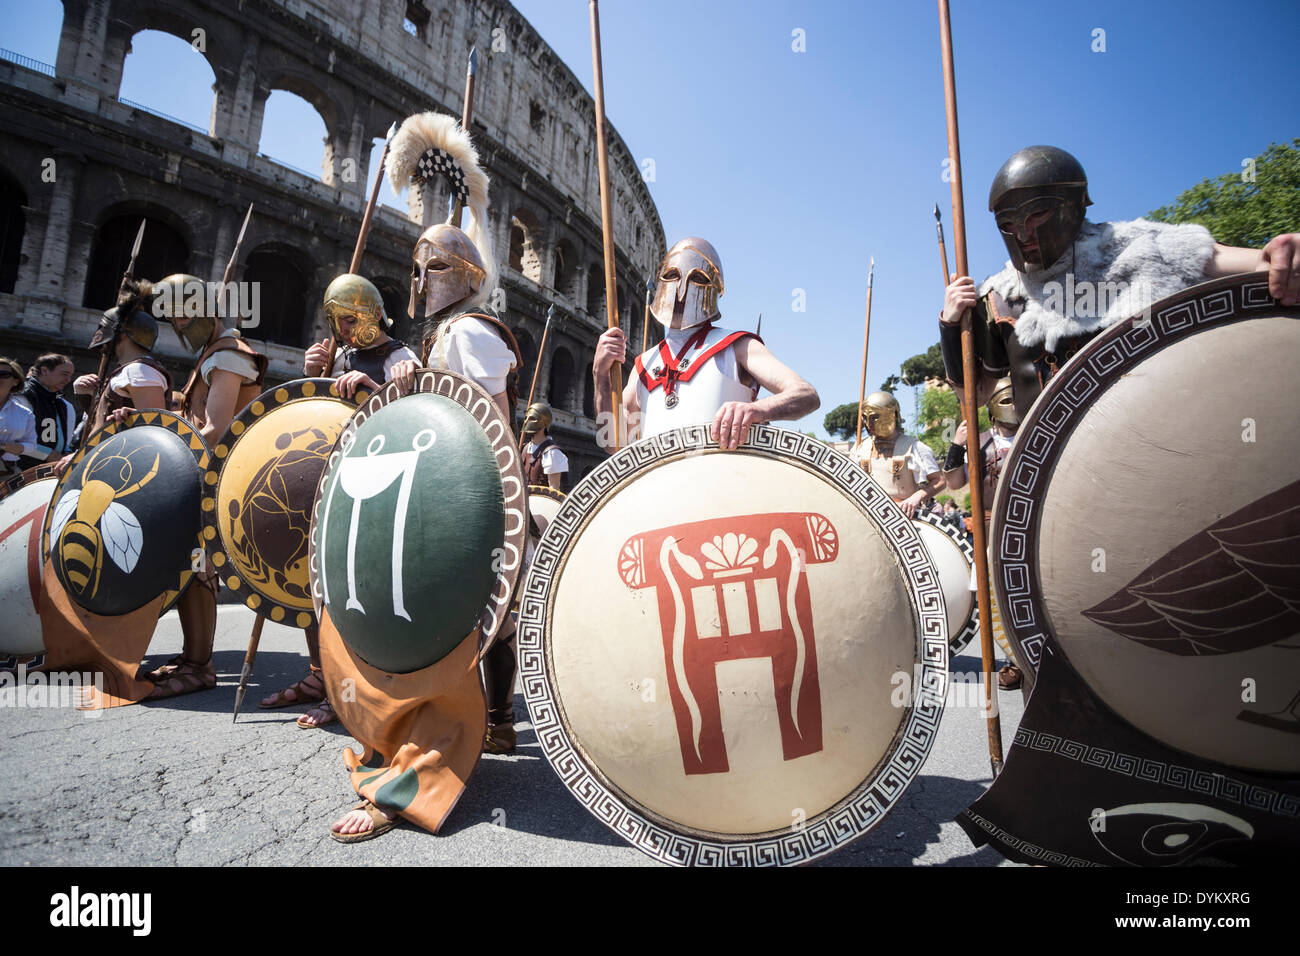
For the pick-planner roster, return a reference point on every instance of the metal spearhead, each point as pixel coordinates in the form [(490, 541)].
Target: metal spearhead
[(473, 60), (871, 272), (649, 288), (759, 329), (135, 251)]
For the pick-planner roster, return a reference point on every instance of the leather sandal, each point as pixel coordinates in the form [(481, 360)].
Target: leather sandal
[(309, 690), (324, 707), (379, 824), (187, 677)]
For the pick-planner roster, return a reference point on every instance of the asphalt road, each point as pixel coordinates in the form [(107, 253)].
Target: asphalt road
[(176, 783)]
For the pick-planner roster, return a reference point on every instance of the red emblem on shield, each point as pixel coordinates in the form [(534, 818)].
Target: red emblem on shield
[(734, 589)]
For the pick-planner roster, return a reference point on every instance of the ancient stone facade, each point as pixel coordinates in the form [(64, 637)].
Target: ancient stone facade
[(79, 168)]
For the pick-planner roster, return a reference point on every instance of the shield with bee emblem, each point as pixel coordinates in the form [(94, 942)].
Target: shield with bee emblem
[(123, 525), (258, 494), (733, 657)]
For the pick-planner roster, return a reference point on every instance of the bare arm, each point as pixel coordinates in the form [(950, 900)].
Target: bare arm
[(611, 347), (791, 396), (223, 394), (1280, 259), (147, 396)]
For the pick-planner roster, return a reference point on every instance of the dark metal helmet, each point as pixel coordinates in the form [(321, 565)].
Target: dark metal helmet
[(1038, 197), (537, 417), (136, 325)]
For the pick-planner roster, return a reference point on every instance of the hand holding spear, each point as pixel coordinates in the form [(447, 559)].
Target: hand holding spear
[(974, 458), (606, 222)]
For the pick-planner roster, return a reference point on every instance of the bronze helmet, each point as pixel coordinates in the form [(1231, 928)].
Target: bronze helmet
[(881, 414), (1002, 405), (182, 300), (446, 269), (690, 283), (356, 296), (1037, 180)]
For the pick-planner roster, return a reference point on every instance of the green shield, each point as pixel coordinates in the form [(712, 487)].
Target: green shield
[(410, 531)]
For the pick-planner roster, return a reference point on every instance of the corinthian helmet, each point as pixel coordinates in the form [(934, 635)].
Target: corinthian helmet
[(690, 282)]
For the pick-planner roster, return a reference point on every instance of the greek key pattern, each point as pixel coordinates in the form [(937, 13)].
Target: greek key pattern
[(958, 641), (868, 803), (1024, 847), (484, 411), (1051, 421), (1200, 782)]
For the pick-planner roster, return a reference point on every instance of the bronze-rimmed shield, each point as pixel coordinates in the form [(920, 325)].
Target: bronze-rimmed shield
[(123, 525), (24, 499), (414, 546), (1147, 527), (733, 658), (954, 559), (258, 494)]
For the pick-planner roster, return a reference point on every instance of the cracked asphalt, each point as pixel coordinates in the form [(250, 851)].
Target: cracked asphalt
[(176, 783)]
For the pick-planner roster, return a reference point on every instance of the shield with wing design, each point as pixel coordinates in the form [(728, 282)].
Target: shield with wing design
[(1148, 527)]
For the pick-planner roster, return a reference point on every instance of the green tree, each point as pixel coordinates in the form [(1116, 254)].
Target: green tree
[(929, 364), (941, 413), (1248, 207), (841, 421)]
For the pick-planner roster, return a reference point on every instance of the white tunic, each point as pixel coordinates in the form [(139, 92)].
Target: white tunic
[(700, 396)]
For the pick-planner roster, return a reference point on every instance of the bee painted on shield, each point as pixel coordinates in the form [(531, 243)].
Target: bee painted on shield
[(90, 520)]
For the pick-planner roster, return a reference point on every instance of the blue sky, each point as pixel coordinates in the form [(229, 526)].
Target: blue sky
[(799, 166)]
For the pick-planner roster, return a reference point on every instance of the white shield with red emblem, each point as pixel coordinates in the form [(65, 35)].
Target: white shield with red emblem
[(733, 657)]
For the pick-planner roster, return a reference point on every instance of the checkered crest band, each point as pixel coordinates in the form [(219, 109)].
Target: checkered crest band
[(434, 162)]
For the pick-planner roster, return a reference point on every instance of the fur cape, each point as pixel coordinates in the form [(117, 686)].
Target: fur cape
[(1115, 270)]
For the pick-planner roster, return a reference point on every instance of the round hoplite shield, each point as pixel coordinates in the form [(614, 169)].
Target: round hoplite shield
[(419, 525), (733, 657), (123, 525), (258, 494), (543, 504), (1147, 525), (24, 499), (954, 558)]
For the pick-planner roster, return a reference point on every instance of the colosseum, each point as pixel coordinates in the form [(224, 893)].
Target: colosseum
[(79, 167)]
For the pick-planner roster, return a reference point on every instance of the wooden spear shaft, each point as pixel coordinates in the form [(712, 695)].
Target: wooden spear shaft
[(606, 222), (537, 366), (974, 459), (466, 118), (645, 321), (866, 337), (249, 656)]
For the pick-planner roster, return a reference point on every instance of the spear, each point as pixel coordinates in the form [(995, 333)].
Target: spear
[(229, 274), (974, 458), (645, 321), (109, 347), (606, 220), (354, 266), (758, 332), (943, 251), (249, 656), (866, 337), (466, 117), (537, 367)]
